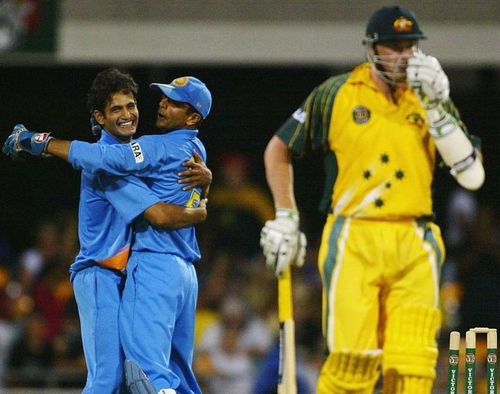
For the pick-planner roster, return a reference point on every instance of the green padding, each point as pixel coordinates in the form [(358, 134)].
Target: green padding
[(429, 237), (331, 258)]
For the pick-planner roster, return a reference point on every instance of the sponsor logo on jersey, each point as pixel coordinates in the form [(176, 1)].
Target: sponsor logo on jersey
[(137, 151), (415, 119), (40, 137), (300, 115), (361, 115), (403, 25)]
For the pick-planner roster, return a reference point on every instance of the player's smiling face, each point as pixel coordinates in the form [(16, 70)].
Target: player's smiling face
[(175, 115), (120, 116)]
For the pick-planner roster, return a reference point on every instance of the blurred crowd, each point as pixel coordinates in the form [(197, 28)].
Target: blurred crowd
[(39, 328), (237, 322)]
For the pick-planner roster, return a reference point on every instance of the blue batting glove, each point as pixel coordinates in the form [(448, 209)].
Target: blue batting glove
[(9, 147), (23, 140)]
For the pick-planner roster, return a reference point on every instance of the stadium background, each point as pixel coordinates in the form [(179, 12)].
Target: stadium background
[(260, 59)]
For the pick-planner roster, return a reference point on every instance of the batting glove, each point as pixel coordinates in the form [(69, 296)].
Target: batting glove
[(282, 242), (426, 76), (23, 140)]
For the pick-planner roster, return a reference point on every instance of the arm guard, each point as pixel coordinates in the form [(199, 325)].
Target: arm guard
[(456, 149)]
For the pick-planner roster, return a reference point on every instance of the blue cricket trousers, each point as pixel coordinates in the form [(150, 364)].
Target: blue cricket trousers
[(157, 319)]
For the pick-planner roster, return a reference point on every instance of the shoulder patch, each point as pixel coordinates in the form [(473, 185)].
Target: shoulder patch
[(137, 151)]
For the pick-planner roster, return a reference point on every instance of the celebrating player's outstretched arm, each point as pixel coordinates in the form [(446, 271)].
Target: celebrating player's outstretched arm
[(43, 144), (427, 78)]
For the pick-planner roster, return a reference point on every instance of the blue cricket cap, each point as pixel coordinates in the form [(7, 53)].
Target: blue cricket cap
[(188, 90)]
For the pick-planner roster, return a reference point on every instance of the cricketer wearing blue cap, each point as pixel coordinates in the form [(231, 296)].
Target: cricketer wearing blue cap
[(188, 90), (159, 299)]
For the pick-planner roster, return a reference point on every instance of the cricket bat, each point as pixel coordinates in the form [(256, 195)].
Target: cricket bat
[(287, 380)]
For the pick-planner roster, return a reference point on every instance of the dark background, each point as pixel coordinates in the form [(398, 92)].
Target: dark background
[(250, 103)]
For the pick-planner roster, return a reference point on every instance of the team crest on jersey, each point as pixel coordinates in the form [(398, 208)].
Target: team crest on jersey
[(137, 151), (403, 25), (416, 119), (361, 115)]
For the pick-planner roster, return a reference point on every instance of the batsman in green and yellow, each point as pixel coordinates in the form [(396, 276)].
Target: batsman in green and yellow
[(379, 130)]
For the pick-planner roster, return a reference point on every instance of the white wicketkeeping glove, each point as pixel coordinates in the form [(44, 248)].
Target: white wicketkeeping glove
[(282, 242), (426, 76)]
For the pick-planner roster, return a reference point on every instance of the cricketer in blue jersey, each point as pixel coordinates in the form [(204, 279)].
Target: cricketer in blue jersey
[(108, 205), (158, 306)]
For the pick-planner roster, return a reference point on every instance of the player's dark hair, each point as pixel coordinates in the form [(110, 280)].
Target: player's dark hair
[(107, 83)]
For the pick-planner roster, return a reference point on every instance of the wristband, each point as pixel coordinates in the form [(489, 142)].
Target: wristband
[(287, 213)]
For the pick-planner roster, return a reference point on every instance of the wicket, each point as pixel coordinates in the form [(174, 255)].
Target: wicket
[(470, 360)]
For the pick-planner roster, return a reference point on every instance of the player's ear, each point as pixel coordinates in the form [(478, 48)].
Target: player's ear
[(194, 119), (99, 116)]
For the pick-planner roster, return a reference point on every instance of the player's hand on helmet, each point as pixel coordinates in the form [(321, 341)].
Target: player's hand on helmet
[(426, 76), (196, 174), (23, 140), (282, 242)]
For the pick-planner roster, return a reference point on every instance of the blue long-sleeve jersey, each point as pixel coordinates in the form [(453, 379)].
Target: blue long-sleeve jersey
[(108, 205), (156, 160)]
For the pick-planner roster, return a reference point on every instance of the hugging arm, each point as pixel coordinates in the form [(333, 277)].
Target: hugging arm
[(172, 217)]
